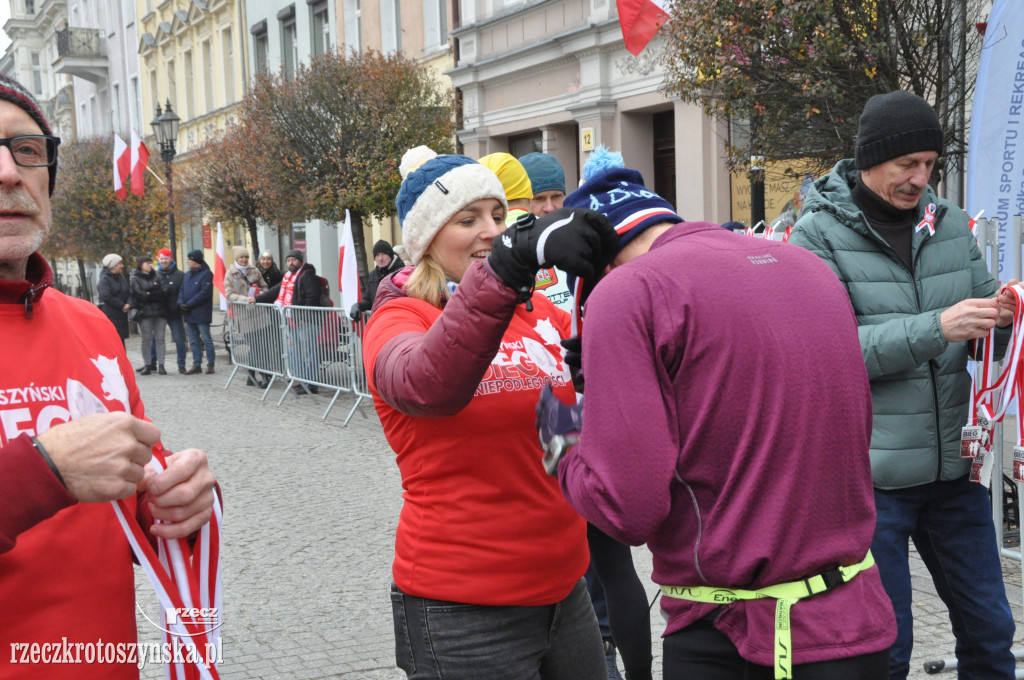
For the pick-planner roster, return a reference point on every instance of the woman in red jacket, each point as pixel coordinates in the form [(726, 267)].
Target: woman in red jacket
[(489, 557)]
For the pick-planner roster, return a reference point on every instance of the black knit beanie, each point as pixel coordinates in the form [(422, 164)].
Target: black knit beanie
[(12, 91), (894, 125), (383, 246)]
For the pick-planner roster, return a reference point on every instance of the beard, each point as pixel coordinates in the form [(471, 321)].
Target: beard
[(294, 268), (18, 241)]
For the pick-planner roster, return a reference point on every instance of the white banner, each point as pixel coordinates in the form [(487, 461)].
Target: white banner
[(995, 152)]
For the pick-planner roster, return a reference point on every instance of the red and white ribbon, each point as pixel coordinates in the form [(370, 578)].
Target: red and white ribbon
[(991, 400), (186, 580), (973, 224), (994, 398), (928, 221)]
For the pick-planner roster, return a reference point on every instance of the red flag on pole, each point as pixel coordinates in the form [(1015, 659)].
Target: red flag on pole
[(140, 159), (122, 167), (640, 20)]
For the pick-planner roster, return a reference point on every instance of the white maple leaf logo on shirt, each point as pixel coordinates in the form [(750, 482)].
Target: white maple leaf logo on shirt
[(113, 385)]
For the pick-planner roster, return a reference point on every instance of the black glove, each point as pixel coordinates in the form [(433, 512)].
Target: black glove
[(574, 360), (355, 312), (573, 351), (183, 308), (572, 239)]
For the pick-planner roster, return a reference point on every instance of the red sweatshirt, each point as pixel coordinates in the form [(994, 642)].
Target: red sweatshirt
[(65, 567), (456, 390)]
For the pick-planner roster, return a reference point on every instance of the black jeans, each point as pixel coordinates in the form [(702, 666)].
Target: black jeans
[(437, 640), (701, 651)]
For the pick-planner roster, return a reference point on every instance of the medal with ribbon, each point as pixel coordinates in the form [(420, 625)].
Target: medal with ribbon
[(187, 580), (928, 221), (992, 399)]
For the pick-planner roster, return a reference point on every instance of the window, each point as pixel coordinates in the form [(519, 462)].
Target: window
[(94, 117), (133, 105), (260, 47), (320, 28), (208, 77), (83, 120), (37, 73), (390, 26), (289, 45), (228, 50), (172, 82), (115, 107), (190, 104), (154, 92), (435, 25), (521, 145), (30, 7), (353, 25)]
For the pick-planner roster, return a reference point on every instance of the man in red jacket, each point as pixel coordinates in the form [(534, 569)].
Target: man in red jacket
[(72, 437)]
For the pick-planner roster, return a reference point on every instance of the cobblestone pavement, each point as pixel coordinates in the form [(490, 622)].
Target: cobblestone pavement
[(309, 520)]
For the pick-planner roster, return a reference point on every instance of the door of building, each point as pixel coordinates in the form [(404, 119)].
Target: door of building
[(665, 155)]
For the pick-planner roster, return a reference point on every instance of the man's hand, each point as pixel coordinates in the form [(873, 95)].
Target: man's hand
[(1007, 304), (973, 318), (101, 456), (181, 496)]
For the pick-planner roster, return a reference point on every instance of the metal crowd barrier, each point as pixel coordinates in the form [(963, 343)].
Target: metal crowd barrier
[(311, 347), (254, 337)]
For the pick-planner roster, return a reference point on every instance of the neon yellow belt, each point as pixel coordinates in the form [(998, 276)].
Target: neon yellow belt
[(786, 595)]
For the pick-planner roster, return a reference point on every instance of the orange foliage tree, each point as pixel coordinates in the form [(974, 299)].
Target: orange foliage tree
[(88, 219), (339, 127), (233, 178)]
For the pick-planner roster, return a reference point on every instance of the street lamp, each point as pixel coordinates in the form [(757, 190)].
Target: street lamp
[(165, 127)]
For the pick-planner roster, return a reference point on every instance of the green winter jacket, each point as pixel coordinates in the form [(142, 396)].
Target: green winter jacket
[(920, 387)]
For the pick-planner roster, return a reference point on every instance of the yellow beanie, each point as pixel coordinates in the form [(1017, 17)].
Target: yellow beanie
[(512, 174)]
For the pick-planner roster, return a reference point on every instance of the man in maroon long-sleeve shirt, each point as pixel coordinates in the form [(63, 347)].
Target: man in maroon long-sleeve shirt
[(726, 425)]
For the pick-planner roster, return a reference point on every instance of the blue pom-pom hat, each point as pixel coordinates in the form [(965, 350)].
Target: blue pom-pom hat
[(620, 195), (436, 188)]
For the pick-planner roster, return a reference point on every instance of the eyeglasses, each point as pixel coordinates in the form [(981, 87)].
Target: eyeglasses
[(32, 151)]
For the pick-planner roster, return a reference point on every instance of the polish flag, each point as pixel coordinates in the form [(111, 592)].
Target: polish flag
[(348, 271), (640, 20), (219, 270), (122, 167), (140, 159)]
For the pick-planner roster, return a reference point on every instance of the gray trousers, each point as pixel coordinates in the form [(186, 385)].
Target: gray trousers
[(152, 328)]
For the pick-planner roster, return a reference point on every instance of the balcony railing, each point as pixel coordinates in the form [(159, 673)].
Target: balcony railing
[(78, 42)]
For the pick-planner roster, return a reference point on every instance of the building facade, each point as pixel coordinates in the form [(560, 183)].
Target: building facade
[(98, 50), (33, 31), (192, 53), (554, 76)]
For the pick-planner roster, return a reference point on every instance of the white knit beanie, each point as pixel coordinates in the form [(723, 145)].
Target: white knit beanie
[(434, 188), (112, 260)]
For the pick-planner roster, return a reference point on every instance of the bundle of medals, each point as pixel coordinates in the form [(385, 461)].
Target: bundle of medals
[(187, 580), (991, 395)]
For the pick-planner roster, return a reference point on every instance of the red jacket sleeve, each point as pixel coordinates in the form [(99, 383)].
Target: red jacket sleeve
[(29, 491), (433, 372)]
